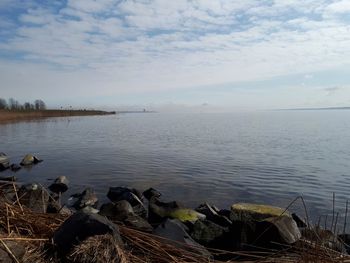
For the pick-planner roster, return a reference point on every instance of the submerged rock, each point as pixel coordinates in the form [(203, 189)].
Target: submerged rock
[(81, 226), (60, 185), (4, 162), (30, 159), (15, 167), (87, 198), (34, 197)]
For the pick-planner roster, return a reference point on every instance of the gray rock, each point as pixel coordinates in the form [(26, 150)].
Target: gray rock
[(81, 226), (149, 193), (15, 167), (4, 162), (123, 212), (174, 230), (208, 233), (60, 185), (131, 195), (212, 214), (34, 197), (281, 229), (30, 159), (323, 237), (17, 249), (87, 198), (300, 222)]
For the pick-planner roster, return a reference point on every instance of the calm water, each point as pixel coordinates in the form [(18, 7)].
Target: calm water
[(264, 157)]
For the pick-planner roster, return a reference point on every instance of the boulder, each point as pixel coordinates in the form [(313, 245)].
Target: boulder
[(247, 212), (55, 208), (60, 185), (208, 233), (345, 238), (16, 249), (117, 211), (158, 211), (300, 222), (4, 162), (323, 237), (15, 167), (174, 230), (122, 211), (34, 197), (30, 159), (212, 214), (131, 195), (281, 229), (150, 192), (87, 198), (81, 226)]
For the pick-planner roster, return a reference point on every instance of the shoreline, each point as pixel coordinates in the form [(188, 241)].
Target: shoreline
[(8, 116)]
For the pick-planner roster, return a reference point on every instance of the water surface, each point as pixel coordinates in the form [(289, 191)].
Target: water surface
[(263, 157)]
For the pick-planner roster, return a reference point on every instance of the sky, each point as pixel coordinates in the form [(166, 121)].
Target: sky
[(212, 54)]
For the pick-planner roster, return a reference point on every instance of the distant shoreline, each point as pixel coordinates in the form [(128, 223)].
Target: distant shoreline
[(311, 109), (7, 116)]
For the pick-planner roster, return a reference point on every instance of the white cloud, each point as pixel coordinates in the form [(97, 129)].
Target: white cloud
[(155, 45)]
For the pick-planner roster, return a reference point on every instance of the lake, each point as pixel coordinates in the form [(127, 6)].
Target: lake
[(264, 157)]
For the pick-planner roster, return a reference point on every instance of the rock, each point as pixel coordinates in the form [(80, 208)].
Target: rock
[(60, 185), (8, 179), (208, 233), (81, 226), (137, 222), (55, 208), (281, 229), (16, 249), (15, 167), (30, 159), (149, 193), (345, 238), (300, 222), (173, 229), (34, 197), (212, 214), (247, 212), (87, 198), (158, 211), (4, 161), (323, 237), (122, 211), (131, 195), (117, 211)]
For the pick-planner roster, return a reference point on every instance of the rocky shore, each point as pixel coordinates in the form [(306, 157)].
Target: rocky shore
[(21, 115), (137, 225)]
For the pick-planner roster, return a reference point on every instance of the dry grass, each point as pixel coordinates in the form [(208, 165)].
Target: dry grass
[(13, 116), (35, 230)]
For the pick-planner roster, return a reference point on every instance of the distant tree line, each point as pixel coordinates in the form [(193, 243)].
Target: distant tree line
[(12, 104)]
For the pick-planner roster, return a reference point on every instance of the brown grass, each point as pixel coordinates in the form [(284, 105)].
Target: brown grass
[(18, 115), (35, 230)]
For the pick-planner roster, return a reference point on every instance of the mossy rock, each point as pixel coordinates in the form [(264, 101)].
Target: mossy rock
[(247, 212), (184, 214)]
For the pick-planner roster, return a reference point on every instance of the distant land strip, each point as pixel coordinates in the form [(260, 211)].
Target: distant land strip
[(22, 115), (304, 109)]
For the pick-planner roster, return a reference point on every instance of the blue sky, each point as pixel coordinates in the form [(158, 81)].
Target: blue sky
[(223, 54)]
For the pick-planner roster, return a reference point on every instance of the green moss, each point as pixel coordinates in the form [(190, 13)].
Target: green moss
[(184, 214), (258, 209)]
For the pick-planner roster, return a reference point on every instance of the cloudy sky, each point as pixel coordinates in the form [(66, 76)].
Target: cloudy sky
[(222, 53)]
